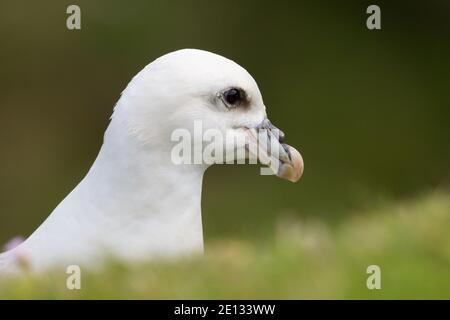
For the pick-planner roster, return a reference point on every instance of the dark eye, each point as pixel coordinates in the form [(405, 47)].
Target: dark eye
[(233, 96)]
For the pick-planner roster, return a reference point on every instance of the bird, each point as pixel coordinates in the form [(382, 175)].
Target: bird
[(135, 203)]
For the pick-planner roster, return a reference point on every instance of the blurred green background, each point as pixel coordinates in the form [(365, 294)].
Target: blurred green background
[(369, 110)]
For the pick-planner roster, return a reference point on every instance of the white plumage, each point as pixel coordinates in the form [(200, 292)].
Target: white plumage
[(135, 203)]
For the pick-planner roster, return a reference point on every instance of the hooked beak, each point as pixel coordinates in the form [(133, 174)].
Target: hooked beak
[(266, 142)]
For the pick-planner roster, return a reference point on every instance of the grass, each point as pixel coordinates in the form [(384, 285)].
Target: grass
[(409, 241)]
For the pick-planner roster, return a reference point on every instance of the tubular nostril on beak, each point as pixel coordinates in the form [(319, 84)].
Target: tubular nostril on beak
[(266, 124)]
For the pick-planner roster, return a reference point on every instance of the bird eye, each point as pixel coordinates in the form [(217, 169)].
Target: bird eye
[(233, 96)]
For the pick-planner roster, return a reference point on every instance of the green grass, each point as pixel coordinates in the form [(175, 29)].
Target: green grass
[(409, 240)]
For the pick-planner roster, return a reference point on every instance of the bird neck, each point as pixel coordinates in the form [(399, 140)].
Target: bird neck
[(152, 204)]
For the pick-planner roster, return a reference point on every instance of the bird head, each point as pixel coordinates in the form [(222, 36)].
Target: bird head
[(213, 104)]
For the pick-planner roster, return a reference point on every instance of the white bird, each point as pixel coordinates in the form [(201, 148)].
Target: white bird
[(135, 203)]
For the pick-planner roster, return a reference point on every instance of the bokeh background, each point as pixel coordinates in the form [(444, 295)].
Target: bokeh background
[(369, 110)]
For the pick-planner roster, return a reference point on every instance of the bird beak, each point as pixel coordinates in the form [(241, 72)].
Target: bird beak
[(266, 142)]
